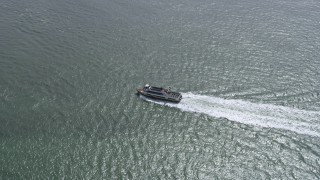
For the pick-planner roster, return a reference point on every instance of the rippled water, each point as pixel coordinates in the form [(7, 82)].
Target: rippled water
[(248, 72)]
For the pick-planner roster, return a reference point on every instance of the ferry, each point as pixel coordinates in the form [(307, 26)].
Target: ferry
[(160, 93)]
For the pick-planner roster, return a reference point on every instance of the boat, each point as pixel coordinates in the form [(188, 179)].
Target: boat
[(160, 93)]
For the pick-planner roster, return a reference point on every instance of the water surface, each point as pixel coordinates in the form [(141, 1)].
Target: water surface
[(248, 71)]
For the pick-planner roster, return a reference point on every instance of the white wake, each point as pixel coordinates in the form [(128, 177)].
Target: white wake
[(264, 115)]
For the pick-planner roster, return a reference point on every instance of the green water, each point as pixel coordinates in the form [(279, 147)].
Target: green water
[(248, 72)]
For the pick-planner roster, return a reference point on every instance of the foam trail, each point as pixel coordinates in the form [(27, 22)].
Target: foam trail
[(264, 115)]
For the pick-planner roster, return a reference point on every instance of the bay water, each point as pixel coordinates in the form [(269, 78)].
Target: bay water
[(248, 72)]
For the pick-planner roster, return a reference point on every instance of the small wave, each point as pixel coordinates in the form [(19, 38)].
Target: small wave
[(264, 115)]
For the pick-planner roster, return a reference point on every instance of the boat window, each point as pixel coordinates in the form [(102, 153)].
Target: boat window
[(153, 92)]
